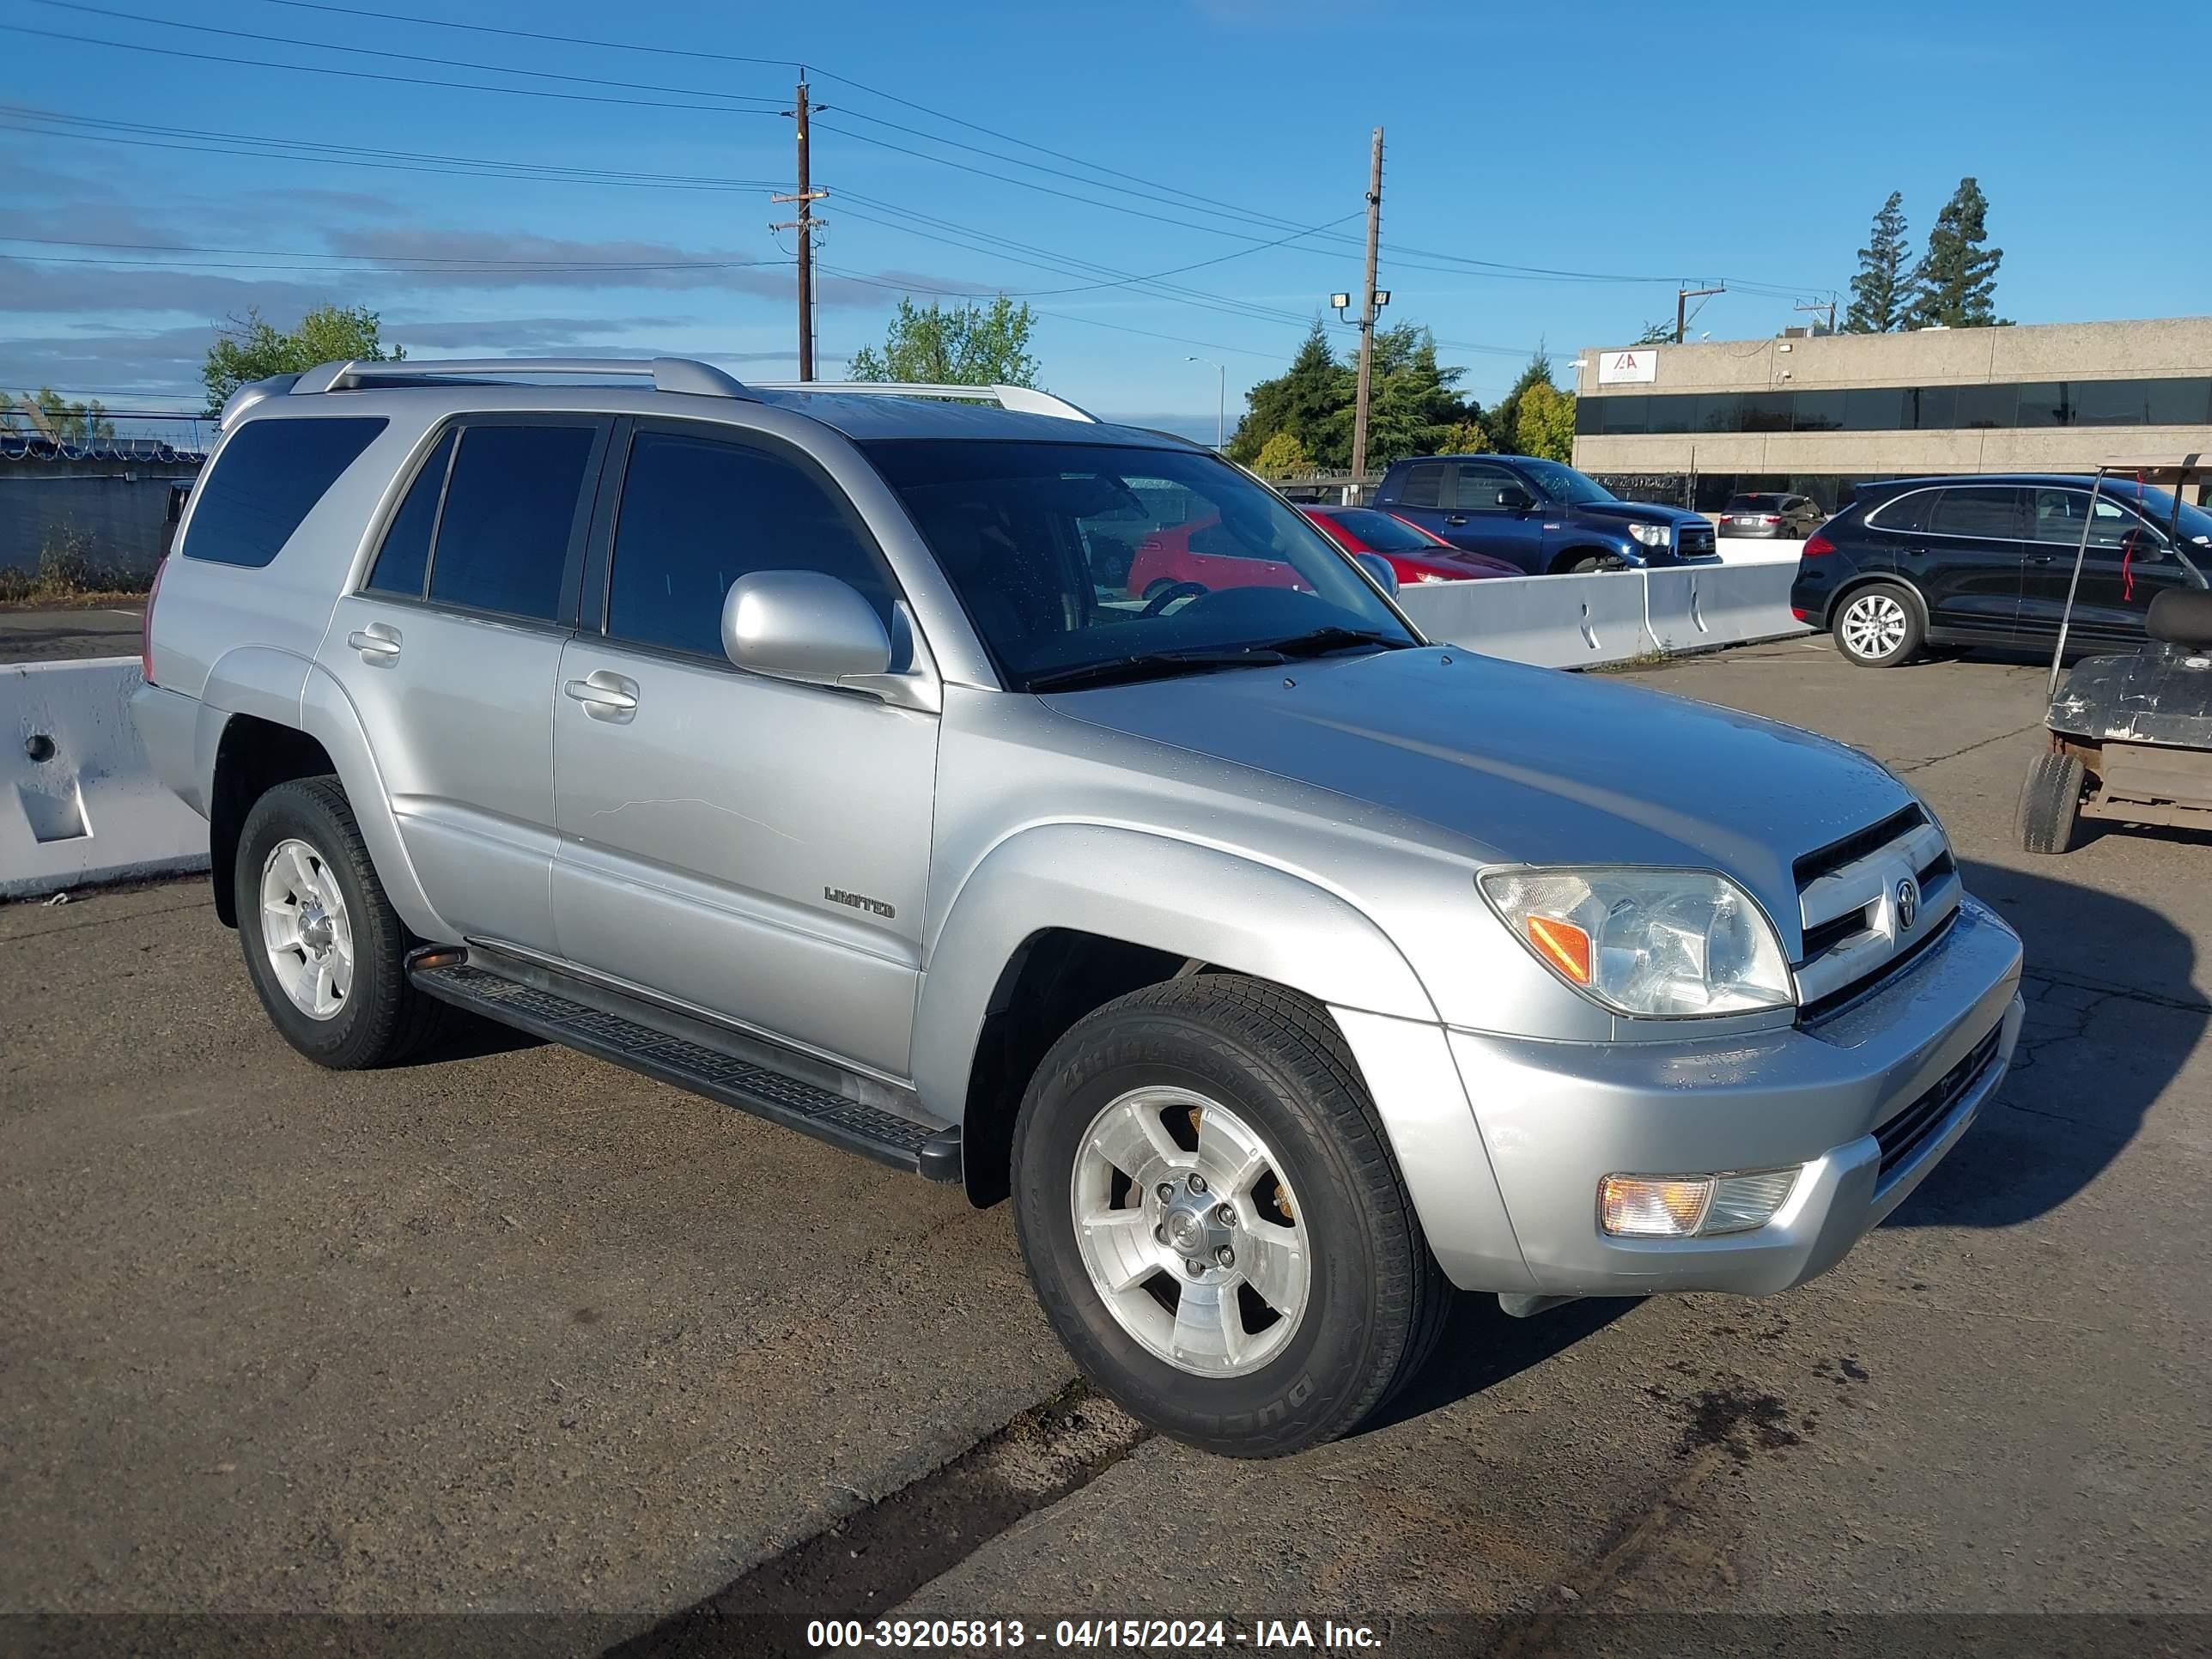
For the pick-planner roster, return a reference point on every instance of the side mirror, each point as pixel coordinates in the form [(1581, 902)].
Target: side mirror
[(1513, 499), (802, 625), (1386, 575)]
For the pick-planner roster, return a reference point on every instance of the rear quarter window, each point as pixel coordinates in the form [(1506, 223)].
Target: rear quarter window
[(267, 479)]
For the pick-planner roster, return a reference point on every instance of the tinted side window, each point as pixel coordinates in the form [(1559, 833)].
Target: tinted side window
[(699, 513), (510, 507), (1982, 511), (270, 477), (1478, 488), (1423, 485), (403, 561), (2058, 519), (1907, 514)]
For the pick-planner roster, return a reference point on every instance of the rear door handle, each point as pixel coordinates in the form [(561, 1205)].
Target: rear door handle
[(378, 642), (605, 696)]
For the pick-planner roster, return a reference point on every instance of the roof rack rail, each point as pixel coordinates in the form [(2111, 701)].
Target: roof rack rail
[(666, 373), (1026, 399)]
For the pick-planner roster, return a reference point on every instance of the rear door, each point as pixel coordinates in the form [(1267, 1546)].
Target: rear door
[(449, 650), (2126, 565), (1969, 562), (1426, 494)]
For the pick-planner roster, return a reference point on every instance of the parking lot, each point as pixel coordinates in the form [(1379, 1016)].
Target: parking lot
[(510, 1330)]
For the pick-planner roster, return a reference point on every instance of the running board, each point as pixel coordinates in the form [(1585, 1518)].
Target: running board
[(675, 1049)]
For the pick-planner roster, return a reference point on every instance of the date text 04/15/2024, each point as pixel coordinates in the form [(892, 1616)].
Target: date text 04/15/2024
[(1263, 1636)]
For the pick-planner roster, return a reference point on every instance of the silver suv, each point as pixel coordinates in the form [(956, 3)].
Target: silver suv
[(1047, 806)]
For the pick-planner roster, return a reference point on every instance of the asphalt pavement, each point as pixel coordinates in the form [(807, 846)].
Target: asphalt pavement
[(509, 1330), (55, 632)]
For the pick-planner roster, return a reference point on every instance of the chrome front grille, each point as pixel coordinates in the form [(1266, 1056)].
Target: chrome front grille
[(1867, 900)]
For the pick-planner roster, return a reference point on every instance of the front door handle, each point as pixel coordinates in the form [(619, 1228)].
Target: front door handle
[(1457, 518), (605, 696), (378, 642)]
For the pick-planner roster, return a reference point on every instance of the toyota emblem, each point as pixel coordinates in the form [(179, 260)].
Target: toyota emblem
[(1908, 904)]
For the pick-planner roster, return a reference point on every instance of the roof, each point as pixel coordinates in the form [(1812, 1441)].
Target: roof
[(865, 416)]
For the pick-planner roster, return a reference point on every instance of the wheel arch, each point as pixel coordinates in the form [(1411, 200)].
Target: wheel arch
[(1564, 561), (1060, 919)]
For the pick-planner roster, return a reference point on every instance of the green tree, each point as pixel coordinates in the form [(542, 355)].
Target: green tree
[(953, 345), (1465, 438), (1544, 422), (1281, 456), (1881, 292), (1502, 425), (1299, 401), (1658, 333), (253, 348), (1955, 283), (47, 411)]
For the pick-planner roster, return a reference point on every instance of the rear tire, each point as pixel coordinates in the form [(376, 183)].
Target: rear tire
[(1277, 1326), (2051, 803), (1878, 626), (326, 952)]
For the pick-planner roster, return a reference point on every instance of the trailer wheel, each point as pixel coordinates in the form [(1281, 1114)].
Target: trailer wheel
[(2051, 803)]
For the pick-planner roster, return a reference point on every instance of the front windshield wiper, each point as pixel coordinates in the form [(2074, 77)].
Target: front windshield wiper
[(1318, 641), (1154, 665)]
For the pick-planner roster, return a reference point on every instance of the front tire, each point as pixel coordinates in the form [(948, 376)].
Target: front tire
[(1215, 1222), (1878, 626), (2051, 803), (326, 952)]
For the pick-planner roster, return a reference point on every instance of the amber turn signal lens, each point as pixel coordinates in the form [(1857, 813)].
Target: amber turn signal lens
[(1563, 945)]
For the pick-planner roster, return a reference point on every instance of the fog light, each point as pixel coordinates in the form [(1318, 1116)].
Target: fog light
[(1653, 1206), (1741, 1202), (1691, 1207)]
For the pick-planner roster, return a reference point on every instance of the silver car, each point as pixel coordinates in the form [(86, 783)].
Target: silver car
[(806, 748)]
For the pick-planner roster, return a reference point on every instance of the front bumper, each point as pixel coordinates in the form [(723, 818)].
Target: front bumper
[(1556, 1118)]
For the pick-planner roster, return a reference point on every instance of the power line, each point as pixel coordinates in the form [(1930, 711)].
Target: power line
[(371, 74), (430, 261), (402, 57)]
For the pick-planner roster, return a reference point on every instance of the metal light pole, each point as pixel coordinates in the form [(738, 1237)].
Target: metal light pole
[(1221, 398)]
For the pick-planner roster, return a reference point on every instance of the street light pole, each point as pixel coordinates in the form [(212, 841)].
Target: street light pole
[(1220, 396)]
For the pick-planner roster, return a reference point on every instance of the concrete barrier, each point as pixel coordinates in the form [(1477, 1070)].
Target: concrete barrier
[(78, 801), (1757, 549), (1553, 621), (1696, 610), (1613, 617)]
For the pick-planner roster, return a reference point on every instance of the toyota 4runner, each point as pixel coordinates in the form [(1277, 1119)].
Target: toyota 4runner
[(805, 748)]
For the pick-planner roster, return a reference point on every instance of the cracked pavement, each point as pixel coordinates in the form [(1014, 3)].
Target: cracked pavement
[(512, 1329)]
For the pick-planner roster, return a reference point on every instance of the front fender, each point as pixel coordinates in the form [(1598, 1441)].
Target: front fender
[(1142, 888)]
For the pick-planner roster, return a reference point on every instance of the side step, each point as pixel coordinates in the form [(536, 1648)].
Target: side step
[(677, 1050)]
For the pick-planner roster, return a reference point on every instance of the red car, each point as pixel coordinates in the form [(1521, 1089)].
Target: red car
[(1413, 553), (1205, 554)]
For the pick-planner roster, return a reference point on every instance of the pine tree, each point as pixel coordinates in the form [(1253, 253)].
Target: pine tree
[(1298, 401), (1956, 280), (1880, 296)]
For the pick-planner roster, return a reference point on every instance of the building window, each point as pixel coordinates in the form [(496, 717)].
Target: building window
[(2183, 401)]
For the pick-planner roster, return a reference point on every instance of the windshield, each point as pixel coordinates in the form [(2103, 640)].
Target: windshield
[(1753, 504), (1079, 557), (1564, 483), (1380, 533)]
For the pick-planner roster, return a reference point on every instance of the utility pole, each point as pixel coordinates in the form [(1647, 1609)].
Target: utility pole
[(1682, 297), (1367, 312), (1816, 308), (805, 196)]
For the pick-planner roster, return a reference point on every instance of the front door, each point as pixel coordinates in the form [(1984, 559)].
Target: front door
[(1487, 519), (752, 847), (448, 652), (1968, 561), (2126, 565)]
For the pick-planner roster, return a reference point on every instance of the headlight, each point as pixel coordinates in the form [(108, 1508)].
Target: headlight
[(1651, 535), (1651, 942)]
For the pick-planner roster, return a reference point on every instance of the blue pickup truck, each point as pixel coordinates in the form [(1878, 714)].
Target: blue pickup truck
[(1540, 515)]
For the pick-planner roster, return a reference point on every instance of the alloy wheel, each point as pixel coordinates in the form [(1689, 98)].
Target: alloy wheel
[(1873, 625), (305, 929)]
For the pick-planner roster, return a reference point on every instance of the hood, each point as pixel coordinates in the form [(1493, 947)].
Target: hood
[(1638, 512), (1513, 765), (1450, 558)]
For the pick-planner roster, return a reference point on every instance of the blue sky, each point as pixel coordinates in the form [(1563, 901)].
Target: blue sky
[(1729, 142)]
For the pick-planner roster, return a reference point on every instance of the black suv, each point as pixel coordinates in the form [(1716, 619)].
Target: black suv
[(1986, 560)]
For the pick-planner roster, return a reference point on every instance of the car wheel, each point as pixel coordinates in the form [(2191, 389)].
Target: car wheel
[(1214, 1219), (325, 949), (1878, 627), (2051, 803), (1583, 565)]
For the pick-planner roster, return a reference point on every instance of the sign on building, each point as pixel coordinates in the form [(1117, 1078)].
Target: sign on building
[(1638, 365)]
